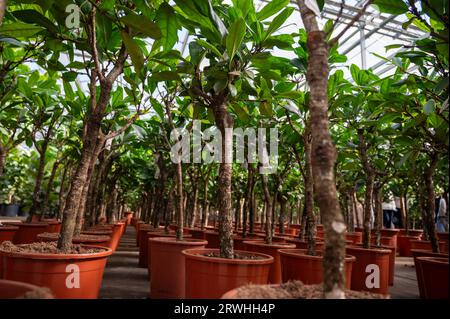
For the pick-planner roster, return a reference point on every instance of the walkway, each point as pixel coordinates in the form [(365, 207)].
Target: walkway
[(123, 278)]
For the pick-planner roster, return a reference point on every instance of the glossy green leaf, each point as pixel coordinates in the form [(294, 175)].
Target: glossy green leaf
[(391, 6), (134, 51), (278, 21), (142, 24), (236, 34), (271, 8), (34, 17), (167, 23)]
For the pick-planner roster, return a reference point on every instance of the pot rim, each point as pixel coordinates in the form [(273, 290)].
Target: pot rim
[(78, 240), (5, 227), (197, 254), (427, 241), (184, 242), (263, 244), (376, 250), (428, 252), (434, 260), (47, 256), (301, 253), (41, 224)]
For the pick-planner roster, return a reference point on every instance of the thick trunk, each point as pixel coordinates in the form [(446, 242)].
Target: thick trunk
[(404, 213), (324, 157), (194, 207), (248, 199), (367, 210), (179, 199), (2, 159), (309, 192), (282, 216), (205, 204), (224, 122), (61, 201)]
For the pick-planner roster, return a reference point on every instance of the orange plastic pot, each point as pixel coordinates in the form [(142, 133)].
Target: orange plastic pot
[(411, 232), (423, 253), (443, 237), (212, 238), (211, 277), (297, 265), (27, 232), (143, 244), (54, 226), (239, 241), (148, 255), (354, 237), (128, 216), (142, 229), (14, 289), (272, 250), (392, 233), (7, 233), (196, 233), (404, 245), (68, 276), (167, 279), (391, 259), (426, 245), (303, 244), (434, 272), (369, 261), (387, 241)]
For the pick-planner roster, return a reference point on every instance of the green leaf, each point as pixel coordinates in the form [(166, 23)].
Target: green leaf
[(142, 24), (167, 23), (34, 17), (166, 76), (241, 113), (278, 21), (134, 51), (429, 107), (265, 108), (220, 85), (441, 85), (217, 21), (19, 30), (209, 47), (271, 8), (235, 36), (103, 30), (391, 6)]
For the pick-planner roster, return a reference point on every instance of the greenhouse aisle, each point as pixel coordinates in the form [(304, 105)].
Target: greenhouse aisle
[(123, 278)]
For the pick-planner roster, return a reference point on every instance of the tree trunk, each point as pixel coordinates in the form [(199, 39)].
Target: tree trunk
[(378, 208), (324, 157), (205, 204), (36, 203), (49, 186), (224, 122), (269, 209), (2, 159), (430, 203), (179, 199)]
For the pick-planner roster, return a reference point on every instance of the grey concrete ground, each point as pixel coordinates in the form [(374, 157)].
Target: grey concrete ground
[(122, 277)]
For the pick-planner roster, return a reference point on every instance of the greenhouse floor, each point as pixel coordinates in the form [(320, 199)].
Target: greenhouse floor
[(124, 279)]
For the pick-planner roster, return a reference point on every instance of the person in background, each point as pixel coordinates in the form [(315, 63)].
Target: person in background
[(388, 210), (397, 216), (441, 214)]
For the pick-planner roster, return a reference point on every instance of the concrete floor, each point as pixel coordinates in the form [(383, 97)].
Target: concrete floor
[(124, 279)]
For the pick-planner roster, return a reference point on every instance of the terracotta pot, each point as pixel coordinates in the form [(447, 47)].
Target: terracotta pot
[(144, 248), (360, 272), (212, 238), (411, 232), (239, 241), (296, 226), (211, 277), (423, 253), (434, 272), (58, 273), (303, 244), (404, 245), (272, 250), (54, 226), (354, 237), (101, 240), (142, 229), (7, 233), (393, 233), (27, 232), (297, 265), (319, 227), (16, 290), (443, 237), (391, 259), (167, 278), (387, 241), (196, 233), (426, 245)]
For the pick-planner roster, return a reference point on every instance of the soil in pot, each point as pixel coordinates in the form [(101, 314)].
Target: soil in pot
[(303, 244), (19, 290), (434, 271), (370, 270), (297, 265), (272, 250), (209, 276), (74, 274), (423, 253), (7, 233), (167, 278), (96, 240), (291, 290)]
